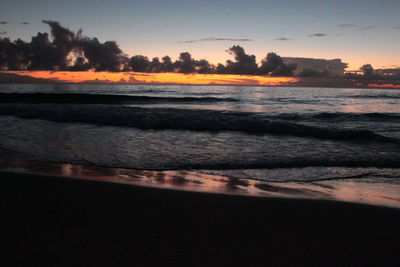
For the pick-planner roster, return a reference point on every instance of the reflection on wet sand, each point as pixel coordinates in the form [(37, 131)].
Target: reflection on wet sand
[(350, 190)]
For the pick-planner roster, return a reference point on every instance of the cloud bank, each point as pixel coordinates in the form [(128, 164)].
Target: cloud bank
[(65, 50)]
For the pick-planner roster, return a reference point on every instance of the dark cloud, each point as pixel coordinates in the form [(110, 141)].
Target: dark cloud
[(167, 64), (4, 22), (203, 66), (43, 55), (220, 69), (347, 25), (367, 69), (270, 63), (64, 49), (273, 64), (213, 39), (3, 33), (244, 64), (283, 39), (318, 35), (185, 64), (105, 56), (24, 23), (64, 40), (139, 63), (13, 55), (155, 65)]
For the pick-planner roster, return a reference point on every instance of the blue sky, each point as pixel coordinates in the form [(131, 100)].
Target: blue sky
[(155, 28)]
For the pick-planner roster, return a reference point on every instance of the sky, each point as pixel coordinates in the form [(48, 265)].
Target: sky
[(357, 31)]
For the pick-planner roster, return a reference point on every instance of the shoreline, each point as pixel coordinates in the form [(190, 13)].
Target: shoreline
[(50, 220), (351, 190)]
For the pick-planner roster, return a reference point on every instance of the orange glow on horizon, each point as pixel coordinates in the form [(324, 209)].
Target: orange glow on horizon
[(386, 85), (156, 78)]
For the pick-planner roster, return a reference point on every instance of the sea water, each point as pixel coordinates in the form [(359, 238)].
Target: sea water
[(275, 134)]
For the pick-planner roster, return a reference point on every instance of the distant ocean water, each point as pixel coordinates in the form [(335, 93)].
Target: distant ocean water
[(263, 133)]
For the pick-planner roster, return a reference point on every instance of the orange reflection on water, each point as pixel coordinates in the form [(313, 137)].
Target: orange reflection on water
[(159, 78), (366, 191)]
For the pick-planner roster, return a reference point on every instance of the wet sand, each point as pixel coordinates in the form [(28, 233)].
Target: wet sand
[(58, 221), (373, 191)]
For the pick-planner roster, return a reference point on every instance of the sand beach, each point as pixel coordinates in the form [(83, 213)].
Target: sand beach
[(53, 220)]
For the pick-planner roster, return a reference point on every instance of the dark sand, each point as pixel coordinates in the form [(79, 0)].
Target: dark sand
[(55, 221)]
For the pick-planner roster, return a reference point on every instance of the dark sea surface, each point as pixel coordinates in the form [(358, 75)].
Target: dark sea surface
[(276, 134)]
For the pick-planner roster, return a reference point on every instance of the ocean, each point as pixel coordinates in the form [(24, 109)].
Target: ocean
[(271, 134)]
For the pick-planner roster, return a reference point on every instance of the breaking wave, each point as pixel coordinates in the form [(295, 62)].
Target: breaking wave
[(185, 119), (340, 116), (78, 98), (375, 96)]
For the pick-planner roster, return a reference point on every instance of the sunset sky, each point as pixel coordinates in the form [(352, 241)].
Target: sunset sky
[(174, 78), (358, 31)]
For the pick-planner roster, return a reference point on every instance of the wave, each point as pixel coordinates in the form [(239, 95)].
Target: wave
[(80, 98), (310, 174), (340, 116), (384, 96), (294, 101), (185, 119), (297, 163)]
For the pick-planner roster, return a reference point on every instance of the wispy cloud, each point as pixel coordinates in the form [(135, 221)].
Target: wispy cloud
[(214, 39), (366, 28), (356, 27), (3, 33), (347, 25), (318, 35), (4, 22), (283, 39), (25, 23)]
